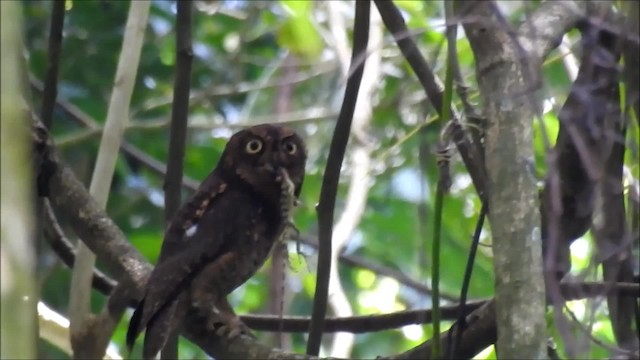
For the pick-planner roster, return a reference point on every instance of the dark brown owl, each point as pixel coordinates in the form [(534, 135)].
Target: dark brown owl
[(223, 234)]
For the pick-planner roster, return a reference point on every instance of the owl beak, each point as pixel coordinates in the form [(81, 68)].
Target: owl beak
[(268, 167)]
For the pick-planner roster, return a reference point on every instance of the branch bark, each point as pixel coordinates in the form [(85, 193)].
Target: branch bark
[(511, 187)]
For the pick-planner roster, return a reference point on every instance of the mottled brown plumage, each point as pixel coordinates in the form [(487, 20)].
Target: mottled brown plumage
[(223, 234)]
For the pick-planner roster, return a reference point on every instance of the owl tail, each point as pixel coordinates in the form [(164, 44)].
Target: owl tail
[(134, 326), (161, 325)]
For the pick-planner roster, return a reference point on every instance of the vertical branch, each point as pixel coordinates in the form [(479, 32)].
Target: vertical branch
[(180, 109), (17, 263), (279, 257), (117, 117), (178, 131), (49, 95), (51, 81), (512, 192), (444, 182), (359, 184), (325, 208)]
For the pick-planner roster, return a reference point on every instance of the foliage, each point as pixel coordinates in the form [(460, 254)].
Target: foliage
[(244, 51)]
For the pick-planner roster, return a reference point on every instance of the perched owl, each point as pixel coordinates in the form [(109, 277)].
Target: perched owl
[(223, 234)]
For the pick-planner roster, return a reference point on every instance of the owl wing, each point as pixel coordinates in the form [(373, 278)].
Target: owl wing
[(188, 244)]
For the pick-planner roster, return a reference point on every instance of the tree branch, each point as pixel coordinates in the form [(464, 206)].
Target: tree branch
[(89, 221), (512, 193), (178, 133), (325, 208), (65, 251), (85, 346), (359, 184), (544, 28), (50, 91), (433, 88)]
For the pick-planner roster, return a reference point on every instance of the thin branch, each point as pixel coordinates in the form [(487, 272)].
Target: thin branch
[(359, 183), (433, 88), (51, 80), (86, 346), (65, 251), (358, 324), (369, 323), (180, 109), (467, 275), (71, 110), (244, 87), (79, 116), (178, 133), (473, 116), (325, 208), (290, 118)]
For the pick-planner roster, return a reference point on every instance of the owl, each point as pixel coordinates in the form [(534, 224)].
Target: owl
[(220, 237)]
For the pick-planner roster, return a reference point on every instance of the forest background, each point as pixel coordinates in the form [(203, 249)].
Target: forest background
[(288, 62)]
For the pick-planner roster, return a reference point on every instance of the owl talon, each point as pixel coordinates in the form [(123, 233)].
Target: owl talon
[(234, 328), (292, 230)]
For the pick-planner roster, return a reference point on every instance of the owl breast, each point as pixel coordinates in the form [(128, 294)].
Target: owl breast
[(251, 228)]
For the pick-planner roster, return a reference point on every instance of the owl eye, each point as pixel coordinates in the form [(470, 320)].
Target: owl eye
[(253, 146), (289, 147)]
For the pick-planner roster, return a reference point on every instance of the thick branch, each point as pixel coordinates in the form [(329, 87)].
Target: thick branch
[(511, 184), (544, 28)]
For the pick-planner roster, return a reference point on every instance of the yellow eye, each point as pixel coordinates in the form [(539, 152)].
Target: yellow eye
[(253, 146), (289, 147)]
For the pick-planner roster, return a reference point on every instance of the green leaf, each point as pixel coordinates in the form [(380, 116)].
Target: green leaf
[(298, 33)]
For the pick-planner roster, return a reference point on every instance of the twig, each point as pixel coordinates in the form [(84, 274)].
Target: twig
[(432, 86), (473, 117), (51, 80), (613, 349), (84, 119), (278, 294), (467, 277), (325, 208), (291, 118), (243, 87)]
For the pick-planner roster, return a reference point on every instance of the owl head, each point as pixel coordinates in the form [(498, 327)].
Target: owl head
[(256, 156)]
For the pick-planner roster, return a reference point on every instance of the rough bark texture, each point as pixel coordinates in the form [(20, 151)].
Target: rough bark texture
[(520, 295)]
